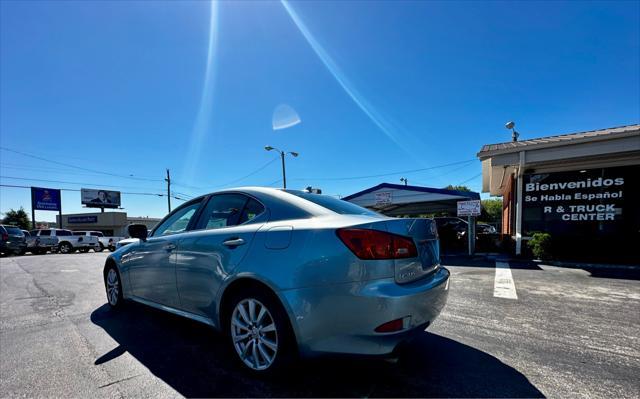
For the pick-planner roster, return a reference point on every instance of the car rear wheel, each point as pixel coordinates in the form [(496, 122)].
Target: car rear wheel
[(65, 248), (99, 248), (260, 333), (113, 287)]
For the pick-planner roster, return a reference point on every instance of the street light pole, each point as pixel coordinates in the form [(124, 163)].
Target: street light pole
[(284, 173), (282, 154)]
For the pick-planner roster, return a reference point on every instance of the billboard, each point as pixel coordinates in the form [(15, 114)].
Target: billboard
[(100, 198), (45, 199)]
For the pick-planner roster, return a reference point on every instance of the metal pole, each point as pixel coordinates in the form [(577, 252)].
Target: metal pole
[(60, 215), (284, 175), (520, 181), (168, 180), (33, 210), (471, 232)]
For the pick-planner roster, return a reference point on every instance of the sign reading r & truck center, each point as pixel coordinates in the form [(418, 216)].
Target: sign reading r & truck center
[(575, 197)]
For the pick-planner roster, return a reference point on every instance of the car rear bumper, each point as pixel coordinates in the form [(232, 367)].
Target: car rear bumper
[(12, 246), (342, 318)]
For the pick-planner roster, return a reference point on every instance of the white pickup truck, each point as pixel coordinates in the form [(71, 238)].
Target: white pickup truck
[(59, 240), (103, 241)]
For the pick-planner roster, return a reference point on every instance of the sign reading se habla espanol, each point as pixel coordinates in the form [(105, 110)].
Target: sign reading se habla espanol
[(574, 196)]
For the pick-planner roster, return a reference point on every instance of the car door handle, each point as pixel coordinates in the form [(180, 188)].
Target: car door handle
[(233, 242), (169, 247)]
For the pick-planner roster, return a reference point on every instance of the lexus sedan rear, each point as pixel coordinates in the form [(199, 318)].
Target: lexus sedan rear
[(286, 273)]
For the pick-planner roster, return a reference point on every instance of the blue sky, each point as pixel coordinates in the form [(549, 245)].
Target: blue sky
[(131, 88)]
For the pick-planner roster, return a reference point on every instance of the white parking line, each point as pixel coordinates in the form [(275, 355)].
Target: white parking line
[(69, 270), (503, 286)]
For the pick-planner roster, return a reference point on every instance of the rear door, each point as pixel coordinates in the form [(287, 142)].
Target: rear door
[(221, 240)]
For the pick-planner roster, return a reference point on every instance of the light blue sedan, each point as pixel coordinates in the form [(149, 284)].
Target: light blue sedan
[(286, 273)]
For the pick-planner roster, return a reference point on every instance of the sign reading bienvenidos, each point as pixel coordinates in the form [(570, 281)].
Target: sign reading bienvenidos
[(574, 196)]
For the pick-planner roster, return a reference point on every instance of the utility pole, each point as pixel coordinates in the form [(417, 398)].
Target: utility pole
[(284, 176), (168, 180)]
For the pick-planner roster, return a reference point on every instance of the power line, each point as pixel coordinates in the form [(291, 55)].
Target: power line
[(248, 175), (67, 182), (78, 190), (75, 166), (471, 178), (385, 174)]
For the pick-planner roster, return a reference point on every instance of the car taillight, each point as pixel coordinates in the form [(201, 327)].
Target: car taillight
[(5, 237), (375, 244)]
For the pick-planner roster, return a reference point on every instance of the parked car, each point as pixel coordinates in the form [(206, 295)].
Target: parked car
[(12, 240), (125, 242), (59, 240), (285, 272), (102, 240)]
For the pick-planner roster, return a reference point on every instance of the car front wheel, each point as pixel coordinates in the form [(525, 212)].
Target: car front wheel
[(260, 333)]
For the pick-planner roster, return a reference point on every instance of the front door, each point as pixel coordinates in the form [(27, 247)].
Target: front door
[(219, 243), (152, 262)]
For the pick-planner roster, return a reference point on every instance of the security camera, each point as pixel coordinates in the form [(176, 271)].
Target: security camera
[(510, 125)]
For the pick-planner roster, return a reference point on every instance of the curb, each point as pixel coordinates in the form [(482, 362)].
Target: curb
[(580, 265)]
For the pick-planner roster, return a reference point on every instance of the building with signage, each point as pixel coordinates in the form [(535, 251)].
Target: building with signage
[(401, 200), (110, 223), (581, 188)]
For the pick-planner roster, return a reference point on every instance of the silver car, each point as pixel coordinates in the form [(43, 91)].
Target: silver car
[(286, 273)]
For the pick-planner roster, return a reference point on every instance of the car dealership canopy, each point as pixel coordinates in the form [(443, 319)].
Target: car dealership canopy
[(401, 200)]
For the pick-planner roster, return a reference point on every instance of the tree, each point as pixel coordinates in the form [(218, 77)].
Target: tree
[(491, 210), (17, 218), (457, 188)]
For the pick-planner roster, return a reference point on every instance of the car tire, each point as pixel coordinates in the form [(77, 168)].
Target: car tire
[(65, 248), (84, 250), (99, 248), (268, 347), (21, 252), (113, 287)]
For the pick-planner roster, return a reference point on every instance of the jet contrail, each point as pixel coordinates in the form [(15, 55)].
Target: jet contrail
[(202, 123), (344, 82)]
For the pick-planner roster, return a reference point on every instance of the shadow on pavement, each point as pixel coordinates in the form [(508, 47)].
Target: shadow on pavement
[(194, 360)]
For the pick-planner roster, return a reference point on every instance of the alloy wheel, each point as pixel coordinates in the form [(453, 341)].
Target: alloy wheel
[(254, 334), (113, 287), (65, 248)]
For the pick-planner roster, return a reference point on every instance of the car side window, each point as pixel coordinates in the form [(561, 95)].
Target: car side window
[(251, 209), (224, 210), (45, 233), (178, 221)]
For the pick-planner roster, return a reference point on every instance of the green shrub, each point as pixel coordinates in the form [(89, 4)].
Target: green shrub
[(540, 245)]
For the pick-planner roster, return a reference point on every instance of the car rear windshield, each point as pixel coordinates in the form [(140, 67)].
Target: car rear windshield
[(13, 230), (334, 204)]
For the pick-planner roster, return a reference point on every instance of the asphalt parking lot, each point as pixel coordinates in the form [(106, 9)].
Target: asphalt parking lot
[(519, 330)]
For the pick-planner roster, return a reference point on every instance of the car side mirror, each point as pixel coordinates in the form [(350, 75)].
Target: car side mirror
[(138, 231)]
